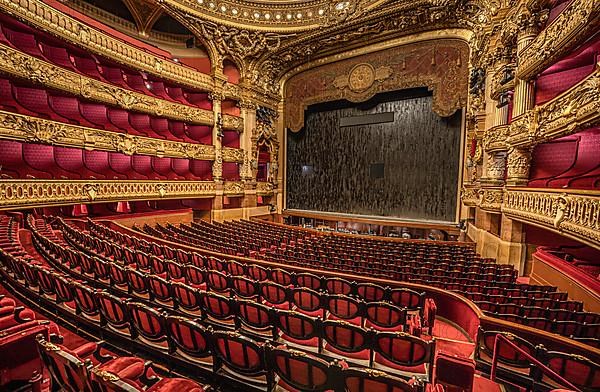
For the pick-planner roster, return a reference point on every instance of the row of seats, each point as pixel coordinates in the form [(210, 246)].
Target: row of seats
[(501, 292), (148, 325), (41, 45), (38, 102), (29, 160)]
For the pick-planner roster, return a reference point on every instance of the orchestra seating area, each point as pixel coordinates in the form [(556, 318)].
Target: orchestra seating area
[(449, 266)]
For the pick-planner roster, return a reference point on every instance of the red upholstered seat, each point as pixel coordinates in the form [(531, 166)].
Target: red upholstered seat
[(239, 353), (24, 41), (187, 298), (162, 166), (160, 126), (119, 118), (363, 380), (35, 100), (580, 371), (177, 129), (149, 324), (68, 107), (299, 371), (404, 353), (200, 100), (308, 301), (114, 312), (11, 160), (97, 114), (255, 316), (338, 286), (129, 368), (343, 307), (384, 316), (454, 373), (7, 101), (57, 55), (142, 164), (141, 123), (176, 94), (114, 75), (347, 340), (42, 157), (218, 307), (199, 133), (159, 90), (244, 287), (121, 164), (297, 328), (97, 162), (175, 385), (87, 65), (136, 82), (181, 167), (201, 169), (407, 298)]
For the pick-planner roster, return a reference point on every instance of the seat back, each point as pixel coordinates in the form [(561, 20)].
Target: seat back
[(338, 286), (404, 349), (300, 370), (407, 298), (344, 307), (189, 337), (148, 322), (255, 315), (296, 325), (506, 355), (68, 372), (370, 291), (363, 380), (385, 315), (346, 337), (239, 353), (454, 373), (580, 371)]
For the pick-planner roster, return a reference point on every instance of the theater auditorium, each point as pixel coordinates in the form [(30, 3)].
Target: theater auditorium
[(300, 195)]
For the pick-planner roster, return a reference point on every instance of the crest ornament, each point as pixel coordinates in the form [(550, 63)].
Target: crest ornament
[(91, 190)]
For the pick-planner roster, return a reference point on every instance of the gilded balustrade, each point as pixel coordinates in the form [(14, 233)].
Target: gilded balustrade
[(575, 213), (35, 193)]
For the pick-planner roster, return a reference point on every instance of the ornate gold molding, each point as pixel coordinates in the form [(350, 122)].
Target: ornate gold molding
[(470, 195), (264, 188), (230, 154), (490, 199), (33, 193), (573, 213), (44, 17), (499, 83), (494, 139), (37, 130), (575, 23), (233, 123), (232, 188), (21, 65), (574, 110)]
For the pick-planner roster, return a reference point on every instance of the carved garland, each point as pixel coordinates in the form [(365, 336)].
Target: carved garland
[(31, 193), (37, 130)]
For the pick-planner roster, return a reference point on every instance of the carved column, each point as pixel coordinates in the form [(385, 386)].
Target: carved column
[(217, 136), (518, 164), (529, 25), (494, 168), (248, 113)]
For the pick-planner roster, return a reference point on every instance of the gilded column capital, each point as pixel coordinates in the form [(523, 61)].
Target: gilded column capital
[(529, 23), (518, 165)]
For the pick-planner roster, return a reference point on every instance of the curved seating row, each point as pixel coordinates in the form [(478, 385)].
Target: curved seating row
[(23, 98), (44, 46), (29, 160)]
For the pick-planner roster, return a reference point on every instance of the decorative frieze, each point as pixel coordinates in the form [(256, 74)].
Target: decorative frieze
[(35, 193), (233, 123), (494, 138), (37, 130), (518, 165), (574, 213), (574, 24), (264, 188), (231, 188), (232, 154), (490, 199), (470, 196), (21, 65)]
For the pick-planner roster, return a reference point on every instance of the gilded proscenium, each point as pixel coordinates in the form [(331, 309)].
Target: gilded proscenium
[(46, 18), (230, 154), (233, 123), (490, 199), (38, 130), (264, 188), (231, 188), (32, 193), (576, 22), (21, 65), (573, 213), (574, 110), (470, 196)]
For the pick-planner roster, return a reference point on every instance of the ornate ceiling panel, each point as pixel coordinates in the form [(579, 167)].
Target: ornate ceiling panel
[(277, 15)]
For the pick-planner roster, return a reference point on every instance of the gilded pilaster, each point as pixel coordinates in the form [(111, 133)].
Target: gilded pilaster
[(518, 165), (217, 136)]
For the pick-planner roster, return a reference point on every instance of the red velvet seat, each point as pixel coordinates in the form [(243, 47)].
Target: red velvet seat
[(97, 162), (68, 107), (362, 380), (35, 100), (343, 307), (404, 354), (200, 100), (338, 286), (255, 318), (384, 316), (24, 359), (24, 41), (199, 133), (114, 75), (162, 166), (274, 295), (347, 340), (87, 65), (187, 298), (122, 164), (217, 281), (149, 325), (142, 164), (135, 81), (57, 55), (407, 298), (159, 90), (240, 357), (310, 281), (201, 169), (176, 94), (454, 373), (141, 123), (181, 167), (220, 309), (42, 157), (114, 312), (370, 292), (298, 329), (176, 384), (177, 129), (244, 287), (308, 301), (298, 371), (7, 101), (195, 276), (580, 371), (97, 114)]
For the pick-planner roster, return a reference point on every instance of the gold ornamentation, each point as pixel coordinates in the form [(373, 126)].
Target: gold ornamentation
[(230, 154), (46, 18), (32, 193), (574, 110), (21, 65), (406, 66), (574, 213), (233, 188), (362, 77), (494, 138), (490, 199), (105, 375), (233, 123), (573, 25), (470, 196), (264, 188), (19, 127), (518, 164)]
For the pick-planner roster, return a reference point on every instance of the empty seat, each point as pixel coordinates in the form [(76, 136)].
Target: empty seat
[(87, 66), (120, 119), (68, 107), (181, 167), (41, 157), (114, 75), (142, 164), (201, 169), (200, 100), (160, 126), (23, 41), (71, 160), (97, 161), (176, 94), (141, 123), (159, 90), (121, 164), (200, 133), (135, 81), (36, 101), (58, 56), (96, 114)]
